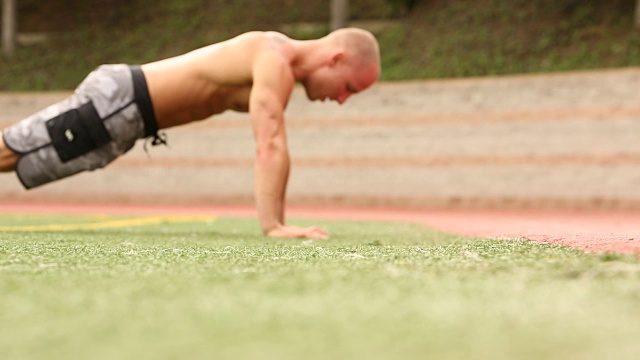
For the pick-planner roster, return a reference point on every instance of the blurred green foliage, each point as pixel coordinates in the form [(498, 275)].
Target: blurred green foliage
[(419, 39)]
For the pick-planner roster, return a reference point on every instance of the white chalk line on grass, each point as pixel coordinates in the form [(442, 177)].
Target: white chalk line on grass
[(109, 224)]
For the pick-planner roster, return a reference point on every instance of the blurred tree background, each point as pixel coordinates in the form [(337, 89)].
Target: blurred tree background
[(60, 41)]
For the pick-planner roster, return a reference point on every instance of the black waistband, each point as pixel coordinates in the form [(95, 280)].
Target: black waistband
[(141, 93)]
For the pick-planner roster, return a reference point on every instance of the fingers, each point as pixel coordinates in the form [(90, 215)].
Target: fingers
[(313, 232), (316, 233)]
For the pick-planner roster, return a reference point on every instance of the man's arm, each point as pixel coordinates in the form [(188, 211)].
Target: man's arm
[(272, 86)]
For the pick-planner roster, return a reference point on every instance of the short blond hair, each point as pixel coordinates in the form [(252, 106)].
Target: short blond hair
[(360, 44)]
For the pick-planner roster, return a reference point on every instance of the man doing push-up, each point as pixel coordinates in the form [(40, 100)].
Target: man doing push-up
[(254, 72)]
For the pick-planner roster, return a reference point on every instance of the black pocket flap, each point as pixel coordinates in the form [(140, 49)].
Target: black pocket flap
[(77, 132)]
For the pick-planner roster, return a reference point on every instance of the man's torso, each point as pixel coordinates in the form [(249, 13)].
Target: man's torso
[(206, 81)]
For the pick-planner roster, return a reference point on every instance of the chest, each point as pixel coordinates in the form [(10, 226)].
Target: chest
[(238, 98)]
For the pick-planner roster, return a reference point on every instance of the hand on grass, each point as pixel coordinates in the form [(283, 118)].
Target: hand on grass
[(285, 231)]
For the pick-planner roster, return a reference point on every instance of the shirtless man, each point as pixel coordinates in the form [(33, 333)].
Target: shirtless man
[(254, 72)]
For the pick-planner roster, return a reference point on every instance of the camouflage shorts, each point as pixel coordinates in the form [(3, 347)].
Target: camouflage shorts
[(102, 120)]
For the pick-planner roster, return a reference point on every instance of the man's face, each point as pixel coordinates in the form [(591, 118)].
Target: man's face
[(338, 81)]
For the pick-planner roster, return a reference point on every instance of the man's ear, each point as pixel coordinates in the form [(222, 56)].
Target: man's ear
[(336, 58)]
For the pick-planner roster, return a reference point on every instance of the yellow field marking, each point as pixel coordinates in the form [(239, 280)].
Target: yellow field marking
[(108, 224)]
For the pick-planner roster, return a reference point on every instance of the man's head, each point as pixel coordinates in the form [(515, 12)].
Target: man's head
[(351, 64)]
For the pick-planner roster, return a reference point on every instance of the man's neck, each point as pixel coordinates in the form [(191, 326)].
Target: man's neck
[(310, 55)]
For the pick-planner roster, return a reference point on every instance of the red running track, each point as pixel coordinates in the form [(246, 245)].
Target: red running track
[(594, 231)]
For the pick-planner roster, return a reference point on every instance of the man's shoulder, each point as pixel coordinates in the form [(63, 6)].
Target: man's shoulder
[(269, 46), (265, 35), (262, 40)]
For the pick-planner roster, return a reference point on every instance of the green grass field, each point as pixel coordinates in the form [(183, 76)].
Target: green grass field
[(104, 287)]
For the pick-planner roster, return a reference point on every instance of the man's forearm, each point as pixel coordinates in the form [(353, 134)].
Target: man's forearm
[(271, 172)]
